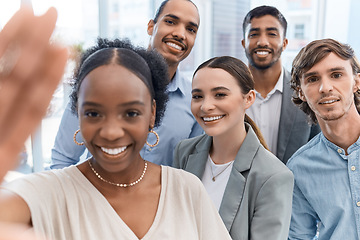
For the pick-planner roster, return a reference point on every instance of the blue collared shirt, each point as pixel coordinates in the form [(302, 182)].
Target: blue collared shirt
[(327, 190), (177, 124)]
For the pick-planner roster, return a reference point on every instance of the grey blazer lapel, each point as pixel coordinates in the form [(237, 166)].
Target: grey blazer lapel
[(287, 117), (197, 161), (234, 190)]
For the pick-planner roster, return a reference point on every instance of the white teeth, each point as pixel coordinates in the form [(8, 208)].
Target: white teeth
[(174, 45), (262, 52), (209, 119), (327, 102), (113, 151)]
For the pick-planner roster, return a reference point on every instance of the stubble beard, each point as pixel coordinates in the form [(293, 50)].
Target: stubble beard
[(275, 59)]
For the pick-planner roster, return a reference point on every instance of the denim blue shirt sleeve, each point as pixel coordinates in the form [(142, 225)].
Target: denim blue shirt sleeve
[(326, 190), (177, 124), (65, 152)]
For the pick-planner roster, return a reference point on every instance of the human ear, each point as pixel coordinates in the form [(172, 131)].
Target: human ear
[(249, 98), (285, 43), (357, 82), (243, 43), (301, 95), (150, 27)]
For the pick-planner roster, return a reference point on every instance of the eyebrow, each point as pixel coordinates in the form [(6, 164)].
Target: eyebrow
[(196, 90), (93, 104), (177, 18), (267, 29), (334, 69)]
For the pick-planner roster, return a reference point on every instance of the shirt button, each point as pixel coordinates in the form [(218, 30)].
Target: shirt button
[(358, 204), (353, 168), (339, 150)]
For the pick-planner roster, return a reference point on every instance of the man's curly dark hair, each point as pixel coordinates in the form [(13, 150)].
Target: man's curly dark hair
[(135, 59)]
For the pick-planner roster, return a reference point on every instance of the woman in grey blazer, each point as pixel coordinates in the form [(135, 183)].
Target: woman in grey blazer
[(251, 188)]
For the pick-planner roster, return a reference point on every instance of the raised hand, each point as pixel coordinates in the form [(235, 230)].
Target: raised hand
[(30, 70)]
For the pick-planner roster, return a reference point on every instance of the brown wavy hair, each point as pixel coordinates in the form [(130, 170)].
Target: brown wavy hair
[(310, 55)]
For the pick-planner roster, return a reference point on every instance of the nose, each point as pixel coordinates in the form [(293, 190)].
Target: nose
[(207, 105), (326, 85), (112, 130), (179, 32), (263, 41)]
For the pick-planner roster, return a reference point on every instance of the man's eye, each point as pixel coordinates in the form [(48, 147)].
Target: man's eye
[(312, 79), (192, 30), (169, 21), (336, 75)]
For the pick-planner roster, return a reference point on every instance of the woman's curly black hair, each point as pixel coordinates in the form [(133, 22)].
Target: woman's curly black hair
[(135, 59)]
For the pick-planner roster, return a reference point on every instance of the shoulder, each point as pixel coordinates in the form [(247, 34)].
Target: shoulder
[(188, 145), (182, 181), (302, 152), (183, 82), (287, 75), (268, 164), (40, 182)]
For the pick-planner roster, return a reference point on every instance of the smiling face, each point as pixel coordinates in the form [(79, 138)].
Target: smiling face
[(173, 35), (328, 88), (218, 103), (264, 42), (115, 111)]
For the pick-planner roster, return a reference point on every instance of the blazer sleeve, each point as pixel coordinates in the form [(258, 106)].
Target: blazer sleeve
[(272, 212)]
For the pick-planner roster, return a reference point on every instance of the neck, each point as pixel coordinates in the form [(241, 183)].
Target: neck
[(266, 79), (125, 175), (172, 70), (344, 131), (221, 151)]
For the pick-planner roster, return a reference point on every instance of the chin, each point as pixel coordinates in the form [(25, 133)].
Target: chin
[(332, 116)]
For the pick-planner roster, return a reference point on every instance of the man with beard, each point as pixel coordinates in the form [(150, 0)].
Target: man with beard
[(325, 77), (283, 125), (172, 33)]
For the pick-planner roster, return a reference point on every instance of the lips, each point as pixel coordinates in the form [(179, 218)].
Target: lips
[(113, 151), (175, 44), (213, 118), (262, 52), (329, 99)]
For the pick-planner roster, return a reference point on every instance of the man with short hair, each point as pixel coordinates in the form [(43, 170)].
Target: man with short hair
[(283, 125), (326, 83), (172, 33)]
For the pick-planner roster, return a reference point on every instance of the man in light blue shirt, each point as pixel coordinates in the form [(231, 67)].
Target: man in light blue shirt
[(326, 80), (172, 33)]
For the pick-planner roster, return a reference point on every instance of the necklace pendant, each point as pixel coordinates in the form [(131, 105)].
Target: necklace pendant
[(213, 179)]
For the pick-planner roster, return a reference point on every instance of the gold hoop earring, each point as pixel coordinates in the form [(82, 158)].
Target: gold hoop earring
[(77, 143), (157, 139)]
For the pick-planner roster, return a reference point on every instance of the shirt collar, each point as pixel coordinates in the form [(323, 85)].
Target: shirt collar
[(176, 83), (280, 83), (338, 149), (278, 86)]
